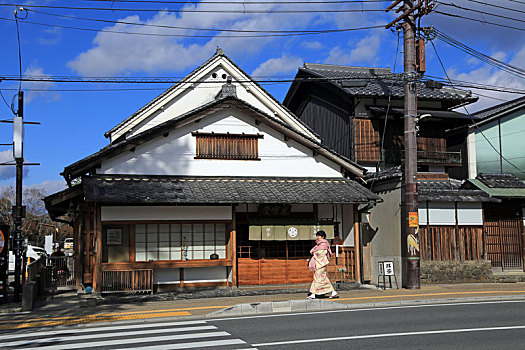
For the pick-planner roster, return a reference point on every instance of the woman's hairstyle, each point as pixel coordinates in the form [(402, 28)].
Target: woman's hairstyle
[(321, 233)]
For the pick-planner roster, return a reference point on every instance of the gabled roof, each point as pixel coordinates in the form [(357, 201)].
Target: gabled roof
[(494, 112), (139, 189), (197, 75), (80, 167), (498, 185), (377, 82)]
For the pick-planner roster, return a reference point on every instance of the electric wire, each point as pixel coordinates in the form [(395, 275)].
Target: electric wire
[(472, 119), (479, 11), (246, 3), (186, 10), (381, 148), (497, 6), (186, 28), (198, 36), (511, 69), (477, 20)]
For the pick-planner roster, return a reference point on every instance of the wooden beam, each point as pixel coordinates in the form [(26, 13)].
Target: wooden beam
[(131, 243), (97, 278), (77, 253), (357, 245), (233, 240)]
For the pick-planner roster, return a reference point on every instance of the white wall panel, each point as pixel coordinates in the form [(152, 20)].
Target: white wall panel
[(143, 213), (470, 213), (441, 213), (175, 154)]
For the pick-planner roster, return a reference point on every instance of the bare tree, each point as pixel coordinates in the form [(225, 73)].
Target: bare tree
[(36, 214)]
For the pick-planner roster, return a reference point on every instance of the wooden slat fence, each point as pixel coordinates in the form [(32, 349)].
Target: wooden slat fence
[(444, 243), (127, 281)]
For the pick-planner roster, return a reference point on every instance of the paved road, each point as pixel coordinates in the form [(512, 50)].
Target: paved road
[(479, 325), (476, 325)]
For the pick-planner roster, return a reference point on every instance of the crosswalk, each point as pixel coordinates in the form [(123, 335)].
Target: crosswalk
[(143, 336)]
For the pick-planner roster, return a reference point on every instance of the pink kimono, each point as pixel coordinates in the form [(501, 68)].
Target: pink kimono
[(321, 254)]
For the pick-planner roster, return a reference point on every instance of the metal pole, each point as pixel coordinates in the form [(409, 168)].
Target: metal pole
[(411, 200), (17, 232)]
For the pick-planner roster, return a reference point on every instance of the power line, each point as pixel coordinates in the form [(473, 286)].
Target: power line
[(479, 11), (186, 10), (186, 28), (511, 69), (477, 20), (245, 3), (199, 36), (472, 119), (497, 6)]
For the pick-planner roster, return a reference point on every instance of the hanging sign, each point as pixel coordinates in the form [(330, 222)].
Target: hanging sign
[(413, 220)]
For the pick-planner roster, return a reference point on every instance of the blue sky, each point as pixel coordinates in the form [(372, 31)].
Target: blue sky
[(73, 122)]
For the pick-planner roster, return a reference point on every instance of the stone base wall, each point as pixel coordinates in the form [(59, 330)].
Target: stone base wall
[(466, 271)]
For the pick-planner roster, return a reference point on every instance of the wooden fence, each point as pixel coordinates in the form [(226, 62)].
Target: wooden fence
[(290, 271), (127, 281), (452, 243)]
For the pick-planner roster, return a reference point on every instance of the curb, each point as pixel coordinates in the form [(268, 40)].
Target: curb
[(301, 306)]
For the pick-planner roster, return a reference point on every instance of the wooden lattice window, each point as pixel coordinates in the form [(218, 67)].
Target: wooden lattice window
[(227, 146)]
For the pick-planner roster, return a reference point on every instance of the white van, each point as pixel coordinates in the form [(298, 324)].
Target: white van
[(68, 243)]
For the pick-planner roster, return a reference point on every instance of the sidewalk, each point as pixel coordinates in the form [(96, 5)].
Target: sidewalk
[(70, 308)]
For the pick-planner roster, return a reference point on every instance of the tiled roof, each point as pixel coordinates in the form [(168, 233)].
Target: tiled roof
[(489, 112), (387, 174), (124, 189), (364, 81), (450, 191), (500, 180)]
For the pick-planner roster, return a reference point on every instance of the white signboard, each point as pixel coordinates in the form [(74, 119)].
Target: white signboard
[(389, 268), (386, 268)]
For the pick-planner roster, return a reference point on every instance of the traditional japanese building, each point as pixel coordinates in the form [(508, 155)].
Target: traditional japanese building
[(213, 183)]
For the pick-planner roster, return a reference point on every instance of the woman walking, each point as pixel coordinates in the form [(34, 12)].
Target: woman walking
[(321, 254)]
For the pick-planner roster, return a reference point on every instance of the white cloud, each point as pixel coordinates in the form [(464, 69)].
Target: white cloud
[(283, 64), (49, 186), (36, 71), (487, 75), (113, 54), (312, 45), (6, 172), (364, 52)]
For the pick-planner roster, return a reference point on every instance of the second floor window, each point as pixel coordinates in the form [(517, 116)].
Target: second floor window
[(227, 146)]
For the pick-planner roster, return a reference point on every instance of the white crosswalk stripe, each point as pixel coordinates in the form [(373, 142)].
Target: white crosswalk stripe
[(143, 336)]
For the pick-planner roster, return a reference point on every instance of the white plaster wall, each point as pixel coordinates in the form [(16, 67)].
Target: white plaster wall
[(470, 213), (146, 213), (187, 97), (422, 213), (441, 213), (174, 154), (205, 274), (348, 225)]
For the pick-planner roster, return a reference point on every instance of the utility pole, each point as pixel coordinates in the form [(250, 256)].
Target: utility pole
[(18, 243), (410, 11)]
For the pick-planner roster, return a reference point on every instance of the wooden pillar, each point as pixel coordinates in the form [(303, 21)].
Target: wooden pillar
[(357, 245), (77, 252), (97, 273), (233, 243), (456, 234), (132, 243)]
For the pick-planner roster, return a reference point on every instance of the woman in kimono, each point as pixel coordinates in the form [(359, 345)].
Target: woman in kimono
[(321, 254)]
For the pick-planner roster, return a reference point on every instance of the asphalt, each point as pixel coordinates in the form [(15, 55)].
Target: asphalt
[(73, 308)]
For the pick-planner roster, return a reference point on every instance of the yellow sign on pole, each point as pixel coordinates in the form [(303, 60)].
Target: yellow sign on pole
[(413, 220)]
